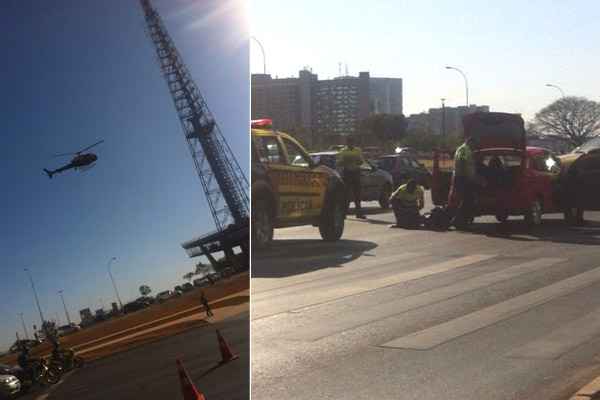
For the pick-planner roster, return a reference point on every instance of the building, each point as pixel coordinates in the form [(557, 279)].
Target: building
[(315, 109), (86, 317), (439, 120)]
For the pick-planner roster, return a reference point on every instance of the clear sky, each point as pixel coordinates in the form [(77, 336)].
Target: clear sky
[(508, 49), (75, 72)]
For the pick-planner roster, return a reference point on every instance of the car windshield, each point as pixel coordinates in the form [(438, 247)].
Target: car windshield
[(592, 144)]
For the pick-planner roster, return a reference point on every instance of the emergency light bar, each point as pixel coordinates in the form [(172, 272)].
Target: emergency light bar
[(265, 123)]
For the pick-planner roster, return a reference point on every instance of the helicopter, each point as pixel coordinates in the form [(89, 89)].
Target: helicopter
[(80, 161)]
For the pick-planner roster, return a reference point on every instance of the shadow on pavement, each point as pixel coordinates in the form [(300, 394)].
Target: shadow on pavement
[(551, 230), (291, 257)]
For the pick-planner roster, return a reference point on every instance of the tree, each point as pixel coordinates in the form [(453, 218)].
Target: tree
[(189, 276), (384, 126), (145, 290), (576, 118)]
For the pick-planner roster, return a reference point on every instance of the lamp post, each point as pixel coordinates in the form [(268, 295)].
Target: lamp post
[(60, 292), (37, 301), (466, 82), (113, 281), (262, 49), (24, 326), (556, 87)]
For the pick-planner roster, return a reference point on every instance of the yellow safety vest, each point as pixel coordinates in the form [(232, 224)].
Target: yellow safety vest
[(350, 159), (415, 199), (464, 164)]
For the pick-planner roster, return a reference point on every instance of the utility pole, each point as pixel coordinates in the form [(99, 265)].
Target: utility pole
[(113, 281), (60, 292), (24, 326), (37, 300)]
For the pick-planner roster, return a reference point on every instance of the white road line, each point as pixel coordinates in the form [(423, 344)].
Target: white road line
[(436, 335), (562, 340), (261, 285), (348, 289), (345, 322)]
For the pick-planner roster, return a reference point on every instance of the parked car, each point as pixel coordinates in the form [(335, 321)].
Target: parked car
[(404, 166), (164, 296), (186, 287), (10, 385), (580, 189), (201, 282), (289, 189), (67, 329), (376, 183), (136, 305), (520, 180)]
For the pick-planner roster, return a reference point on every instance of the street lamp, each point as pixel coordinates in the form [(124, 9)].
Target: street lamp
[(113, 281), (262, 49), (24, 326), (466, 83), (37, 301), (556, 87), (60, 292), (443, 117)]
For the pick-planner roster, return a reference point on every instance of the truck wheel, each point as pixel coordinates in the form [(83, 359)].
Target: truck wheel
[(533, 216), (384, 198), (331, 225), (262, 224), (574, 216)]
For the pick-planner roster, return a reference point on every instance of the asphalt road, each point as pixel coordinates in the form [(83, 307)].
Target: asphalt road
[(388, 313), (149, 372)]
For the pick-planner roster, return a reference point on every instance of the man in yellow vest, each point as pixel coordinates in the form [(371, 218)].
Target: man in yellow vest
[(407, 201), (350, 159), (465, 180)]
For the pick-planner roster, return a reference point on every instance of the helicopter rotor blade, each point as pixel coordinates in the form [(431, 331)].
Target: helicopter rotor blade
[(63, 155), (89, 147)]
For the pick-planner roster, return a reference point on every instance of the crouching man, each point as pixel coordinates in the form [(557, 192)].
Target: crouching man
[(407, 202)]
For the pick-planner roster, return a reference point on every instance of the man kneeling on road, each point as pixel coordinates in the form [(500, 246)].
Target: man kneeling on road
[(407, 201)]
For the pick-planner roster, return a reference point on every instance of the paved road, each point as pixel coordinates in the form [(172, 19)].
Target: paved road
[(148, 372), (396, 314)]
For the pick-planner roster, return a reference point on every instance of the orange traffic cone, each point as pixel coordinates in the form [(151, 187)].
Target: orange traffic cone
[(188, 389), (226, 353)]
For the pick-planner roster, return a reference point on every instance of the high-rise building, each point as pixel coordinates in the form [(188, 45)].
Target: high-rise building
[(317, 108), (436, 120)]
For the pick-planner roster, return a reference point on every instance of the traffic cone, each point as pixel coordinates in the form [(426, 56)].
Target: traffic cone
[(226, 353), (188, 390)]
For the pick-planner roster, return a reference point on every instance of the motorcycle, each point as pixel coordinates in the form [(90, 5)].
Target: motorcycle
[(66, 360)]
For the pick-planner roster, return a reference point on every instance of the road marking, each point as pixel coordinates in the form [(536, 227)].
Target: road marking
[(318, 275), (345, 322), (436, 335), (562, 340), (367, 284)]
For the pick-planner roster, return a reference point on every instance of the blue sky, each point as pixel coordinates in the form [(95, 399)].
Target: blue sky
[(508, 49), (75, 72)]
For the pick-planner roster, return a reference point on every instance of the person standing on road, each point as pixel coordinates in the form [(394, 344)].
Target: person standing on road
[(350, 160), (407, 201), (465, 179), (204, 302)]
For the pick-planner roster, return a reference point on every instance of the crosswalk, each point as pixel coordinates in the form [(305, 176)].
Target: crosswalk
[(325, 303)]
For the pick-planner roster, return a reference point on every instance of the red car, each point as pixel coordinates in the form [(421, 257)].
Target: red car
[(519, 180)]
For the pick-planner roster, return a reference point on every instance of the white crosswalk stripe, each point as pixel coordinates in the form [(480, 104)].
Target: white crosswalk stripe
[(395, 307), (455, 328), (368, 284)]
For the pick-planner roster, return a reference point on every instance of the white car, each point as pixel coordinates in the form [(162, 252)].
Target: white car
[(163, 296), (9, 386)]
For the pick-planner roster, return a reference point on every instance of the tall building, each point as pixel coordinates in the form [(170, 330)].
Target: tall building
[(319, 108), (436, 119)]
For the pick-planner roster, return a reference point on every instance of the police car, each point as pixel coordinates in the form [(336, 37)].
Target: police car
[(288, 188)]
